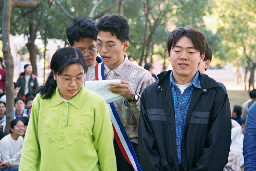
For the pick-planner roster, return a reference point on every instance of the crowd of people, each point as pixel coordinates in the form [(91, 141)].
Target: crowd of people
[(179, 120)]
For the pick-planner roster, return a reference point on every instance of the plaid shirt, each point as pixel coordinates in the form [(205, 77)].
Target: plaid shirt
[(181, 103), (138, 78)]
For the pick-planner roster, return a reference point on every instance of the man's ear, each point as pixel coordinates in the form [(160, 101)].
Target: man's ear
[(126, 45), (203, 56), (168, 55), (207, 63)]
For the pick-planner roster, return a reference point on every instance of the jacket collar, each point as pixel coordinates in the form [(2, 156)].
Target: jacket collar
[(205, 81), (195, 82), (76, 101)]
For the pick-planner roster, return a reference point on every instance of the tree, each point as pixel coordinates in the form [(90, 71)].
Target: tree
[(238, 29), (8, 6)]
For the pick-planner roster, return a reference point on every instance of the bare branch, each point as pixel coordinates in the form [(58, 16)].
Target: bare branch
[(29, 11), (106, 10), (25, 4), (94, 7), (64, 10)]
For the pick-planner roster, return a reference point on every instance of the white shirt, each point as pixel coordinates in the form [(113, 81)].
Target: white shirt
[(9, 147), (26, 84), (183, 87), (237, 138), (3, 122)]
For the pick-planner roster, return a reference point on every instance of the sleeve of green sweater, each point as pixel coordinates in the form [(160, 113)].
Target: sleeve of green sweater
[(31, 151), (103, 136)]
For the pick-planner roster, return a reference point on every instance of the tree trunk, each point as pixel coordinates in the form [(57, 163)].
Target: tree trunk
[(31, 45), (251, 79), (121, 11), (245, 80), (144, 44), (8, 60)]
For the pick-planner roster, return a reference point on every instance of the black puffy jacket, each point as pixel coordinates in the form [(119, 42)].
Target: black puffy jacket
[(207, 133)]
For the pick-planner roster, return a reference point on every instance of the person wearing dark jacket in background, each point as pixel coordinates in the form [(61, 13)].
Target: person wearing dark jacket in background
[(185, 121), (27, 82)]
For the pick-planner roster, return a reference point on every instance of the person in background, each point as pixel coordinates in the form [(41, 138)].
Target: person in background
[(235, 158), (131, 58), (205, 62), (2, 164), (185, 121), (29, 110), (236, 114), (12, 143), (29, 102), (150, 68), (70, 126), (25, 120), (249, 146), (2, 115), (2, 78), (27, 82), (2, 134), (82, 35), (246, 105), (16, 91), (19, 110)]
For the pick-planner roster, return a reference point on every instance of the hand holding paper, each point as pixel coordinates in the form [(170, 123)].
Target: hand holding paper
[(101, 87)]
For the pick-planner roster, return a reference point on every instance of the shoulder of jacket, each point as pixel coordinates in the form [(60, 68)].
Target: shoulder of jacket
[(33, 76)]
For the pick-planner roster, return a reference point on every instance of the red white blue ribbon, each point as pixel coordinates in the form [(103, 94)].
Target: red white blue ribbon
[(120, 135)]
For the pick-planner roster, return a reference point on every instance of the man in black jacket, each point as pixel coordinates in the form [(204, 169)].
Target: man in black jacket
[(185, 121)]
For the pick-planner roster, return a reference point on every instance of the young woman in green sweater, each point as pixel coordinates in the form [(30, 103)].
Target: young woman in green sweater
[(70, 126)]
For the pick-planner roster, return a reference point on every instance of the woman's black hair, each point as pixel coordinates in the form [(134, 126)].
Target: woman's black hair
[(14, 122), (60, 60)]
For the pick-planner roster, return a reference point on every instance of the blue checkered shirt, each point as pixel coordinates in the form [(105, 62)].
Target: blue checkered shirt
[(181, 103)]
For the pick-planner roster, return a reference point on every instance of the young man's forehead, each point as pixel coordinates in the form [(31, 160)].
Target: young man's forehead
[(107, 36)]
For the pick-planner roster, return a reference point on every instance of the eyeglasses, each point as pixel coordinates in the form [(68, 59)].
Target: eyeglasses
[(107, 46), (69, 80), (90, 50), (19, 126)]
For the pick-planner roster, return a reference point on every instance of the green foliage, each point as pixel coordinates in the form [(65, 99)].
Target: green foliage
[(238, 29), (235, 23)]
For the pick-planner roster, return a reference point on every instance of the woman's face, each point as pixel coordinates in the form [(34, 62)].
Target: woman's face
[(70, 81), (19, 129)]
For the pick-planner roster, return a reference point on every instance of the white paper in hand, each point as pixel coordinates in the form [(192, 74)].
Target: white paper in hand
[(101, 87)]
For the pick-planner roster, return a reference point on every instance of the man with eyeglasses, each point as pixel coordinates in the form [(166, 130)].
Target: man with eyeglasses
[(112, 42), (82, 35)]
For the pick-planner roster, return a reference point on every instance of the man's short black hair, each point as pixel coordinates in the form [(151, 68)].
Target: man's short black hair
[(252, 94), (3, 103), (208, 53), (117, 25), (28, 99), (238, 110), (147, 66), (81, 28), (17, 99), (196, 36)]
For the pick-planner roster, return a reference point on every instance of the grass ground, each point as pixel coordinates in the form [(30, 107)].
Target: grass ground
[(237, 97)]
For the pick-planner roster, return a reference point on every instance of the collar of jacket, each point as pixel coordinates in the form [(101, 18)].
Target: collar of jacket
[(22, 75), (205, 81), (76, 101)]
